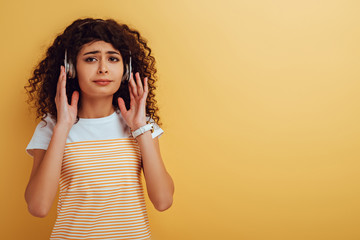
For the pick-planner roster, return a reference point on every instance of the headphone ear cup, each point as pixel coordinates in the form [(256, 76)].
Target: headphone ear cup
[(126, 76), (72, 72), (66, 68)]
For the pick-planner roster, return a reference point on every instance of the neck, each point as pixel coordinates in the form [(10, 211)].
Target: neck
[(96, 107)]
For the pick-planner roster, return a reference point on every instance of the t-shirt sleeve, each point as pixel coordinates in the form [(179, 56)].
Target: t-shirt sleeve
[(157, 130), (42, 136)]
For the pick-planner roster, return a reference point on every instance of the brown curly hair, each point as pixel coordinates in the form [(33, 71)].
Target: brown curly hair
[(41, 88)]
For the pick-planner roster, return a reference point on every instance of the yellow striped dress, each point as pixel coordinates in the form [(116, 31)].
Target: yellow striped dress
[(101, 195)]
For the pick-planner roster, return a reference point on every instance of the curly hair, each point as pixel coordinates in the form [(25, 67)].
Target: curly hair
[(42, 86)]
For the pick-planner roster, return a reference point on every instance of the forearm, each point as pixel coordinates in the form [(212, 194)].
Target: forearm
[(159, 183), (43, 185)]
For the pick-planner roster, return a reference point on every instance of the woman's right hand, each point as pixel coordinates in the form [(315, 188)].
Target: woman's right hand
[(66, 114)]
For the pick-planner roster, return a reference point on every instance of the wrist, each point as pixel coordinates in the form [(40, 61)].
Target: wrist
[(137, 126), (141, 130), (62, 127), (143, 136)]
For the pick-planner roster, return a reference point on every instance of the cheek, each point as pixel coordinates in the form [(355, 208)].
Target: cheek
[(82, 77), (117, 86), (117, 71), (81, 70), (83, 74)]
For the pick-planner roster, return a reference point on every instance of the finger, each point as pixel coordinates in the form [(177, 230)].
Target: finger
[(75, 99), (132, 98), (146, 86), (59, 80), (122, 106), (63, 87), (133, 85), (140, 89)]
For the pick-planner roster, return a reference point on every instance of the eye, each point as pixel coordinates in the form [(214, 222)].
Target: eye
[(114, 59), (89, 59)]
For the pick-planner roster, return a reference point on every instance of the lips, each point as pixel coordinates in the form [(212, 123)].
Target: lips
[(102, 81)]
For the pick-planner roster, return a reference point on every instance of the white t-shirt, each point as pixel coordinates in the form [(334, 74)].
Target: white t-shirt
[(101, 195), (86, 129)]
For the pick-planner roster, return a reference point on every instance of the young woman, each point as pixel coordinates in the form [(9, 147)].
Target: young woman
[(99, 128)]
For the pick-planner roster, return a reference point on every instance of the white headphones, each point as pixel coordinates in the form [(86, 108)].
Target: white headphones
[(70, 69)]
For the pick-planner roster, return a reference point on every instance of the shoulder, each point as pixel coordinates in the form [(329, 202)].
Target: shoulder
[(42, 135), (47, 124), (49, 121)]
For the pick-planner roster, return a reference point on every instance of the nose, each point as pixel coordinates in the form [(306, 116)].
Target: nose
[(102, 67)]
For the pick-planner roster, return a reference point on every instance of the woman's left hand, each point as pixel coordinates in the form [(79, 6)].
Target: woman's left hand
[(135, 117)]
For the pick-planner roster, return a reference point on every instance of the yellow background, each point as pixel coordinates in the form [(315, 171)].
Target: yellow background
[(260, 105)]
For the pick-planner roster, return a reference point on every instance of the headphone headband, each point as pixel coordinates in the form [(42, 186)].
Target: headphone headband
[(91, 21)]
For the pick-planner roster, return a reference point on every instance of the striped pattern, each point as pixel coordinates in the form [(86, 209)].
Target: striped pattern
[(101, 195)]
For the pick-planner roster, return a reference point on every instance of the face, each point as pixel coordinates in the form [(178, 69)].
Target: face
[(99, 68)]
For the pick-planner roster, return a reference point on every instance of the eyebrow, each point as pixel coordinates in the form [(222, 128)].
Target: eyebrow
[(97, 51)]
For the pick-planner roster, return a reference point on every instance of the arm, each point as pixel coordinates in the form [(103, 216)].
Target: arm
[(159, 184), (43, 184)]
